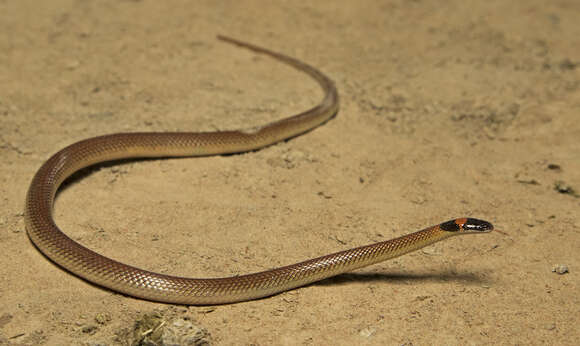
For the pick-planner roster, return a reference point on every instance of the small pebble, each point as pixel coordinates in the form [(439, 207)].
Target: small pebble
[(89, 329), (560, 269), (72, 64), (367, 332), (102, 318), (96, 343)]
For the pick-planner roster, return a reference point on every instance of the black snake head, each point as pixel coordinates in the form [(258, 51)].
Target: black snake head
[(466, 225)]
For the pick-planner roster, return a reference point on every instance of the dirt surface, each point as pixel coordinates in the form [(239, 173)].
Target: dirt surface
[(448, 109)]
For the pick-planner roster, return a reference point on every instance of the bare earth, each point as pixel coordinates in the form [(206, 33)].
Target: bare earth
[(448, 109)]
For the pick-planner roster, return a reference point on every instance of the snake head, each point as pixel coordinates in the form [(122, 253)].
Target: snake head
[(466, 225)]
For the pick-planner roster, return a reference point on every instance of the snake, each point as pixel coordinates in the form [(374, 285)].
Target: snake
[(132, 281)]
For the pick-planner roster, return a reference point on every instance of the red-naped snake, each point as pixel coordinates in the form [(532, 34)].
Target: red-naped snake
[(117, 276)]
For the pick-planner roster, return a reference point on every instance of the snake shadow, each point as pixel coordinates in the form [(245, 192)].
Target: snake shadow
[(79, 175), (405, 278), (87, 171)]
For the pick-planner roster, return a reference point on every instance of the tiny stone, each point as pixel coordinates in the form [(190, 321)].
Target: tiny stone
[(560, 269), (96, 343), (431, 251), (89, 329), (367, 332), (72, 64), (102, 318), (563, 187)]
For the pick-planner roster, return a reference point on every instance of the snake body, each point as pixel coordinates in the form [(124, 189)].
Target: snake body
[(103, 271)]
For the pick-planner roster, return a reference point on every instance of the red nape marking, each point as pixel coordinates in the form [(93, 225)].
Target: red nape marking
[(461, 222)]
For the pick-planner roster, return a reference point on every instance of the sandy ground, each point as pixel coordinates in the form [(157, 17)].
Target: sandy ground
[(448, 109)]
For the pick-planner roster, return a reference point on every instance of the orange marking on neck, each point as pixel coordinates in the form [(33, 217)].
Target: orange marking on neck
[(461, 222)]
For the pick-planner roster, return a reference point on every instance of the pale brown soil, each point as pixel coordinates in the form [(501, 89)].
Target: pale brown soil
[(448, 109)]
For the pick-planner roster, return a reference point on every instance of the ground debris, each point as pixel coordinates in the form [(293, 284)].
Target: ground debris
[(565, 188), (154, 329)]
